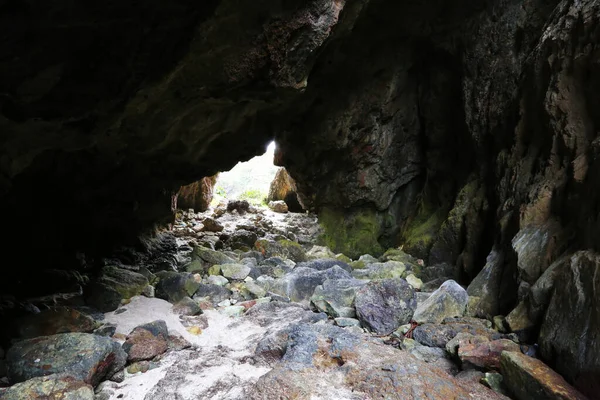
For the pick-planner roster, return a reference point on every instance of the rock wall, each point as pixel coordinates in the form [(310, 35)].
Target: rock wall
[(197, 195), (468, 133)]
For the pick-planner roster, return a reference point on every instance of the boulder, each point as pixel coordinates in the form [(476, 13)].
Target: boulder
[(363, 369), (254, 290), (283, 188), (415, 282), (485, 354), (323, 264), (87, 357), (214, 293), (569, 334), (242, 238), (53, 321), (382, 306), (528, 378), (336, 297), (283, 248), (57, 386), (217, 280), (450, 300), (278, 206), (299, 285), (197, 195), (486, 287), (235, 271), (438, 335), (147, 341), (113, 285), (175, 286), (241, 206), (319, 252), (377, 270), (187, 306), (209, 257), (211, 225)]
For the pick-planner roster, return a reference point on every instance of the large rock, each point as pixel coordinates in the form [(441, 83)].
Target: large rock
[(485, 288), (283, 187), (382, 306), (214, 293), (323, 264), (438, 335), (113, 285), (87, 357), (56, 386), (235, 271), (530, 379), (209, 257), (450, 300), (387, 270), (196, 195), (299, 285), (54, 321), (336, 297), (575, 305), (487, 354), (175, 286), (147, 341), (324, 361), (281, 248), (278, 206)]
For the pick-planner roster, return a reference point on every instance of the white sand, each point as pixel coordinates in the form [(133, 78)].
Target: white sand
[(215, 368)]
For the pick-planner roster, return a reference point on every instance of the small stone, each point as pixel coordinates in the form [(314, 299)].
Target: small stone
[(224, 303), (494, 381), (137, 367), (214, 270), (194, 330), (107, 330), (500, 323), (235, 271), (217, 280), (148, 291), (234, 311), (414, 282)]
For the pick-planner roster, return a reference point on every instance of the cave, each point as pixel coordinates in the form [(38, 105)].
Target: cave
[(462, 135)]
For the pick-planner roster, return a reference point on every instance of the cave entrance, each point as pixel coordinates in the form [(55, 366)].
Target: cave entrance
[(249, 180)]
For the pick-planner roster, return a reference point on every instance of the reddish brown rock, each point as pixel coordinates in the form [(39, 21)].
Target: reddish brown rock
[(485, 355), (147, 341), (283, 187), (211, 225), (530, 379), (197, 195)]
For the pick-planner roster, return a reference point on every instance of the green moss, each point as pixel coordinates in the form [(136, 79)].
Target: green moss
[(353, 234), (343, 258), (420, 233)]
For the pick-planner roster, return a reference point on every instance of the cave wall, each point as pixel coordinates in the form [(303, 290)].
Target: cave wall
[(466, 133)]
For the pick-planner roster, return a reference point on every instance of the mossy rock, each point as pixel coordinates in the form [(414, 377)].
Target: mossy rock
[(344, 258), (126, 283), (351, 233), (420, 234), (281, 248)]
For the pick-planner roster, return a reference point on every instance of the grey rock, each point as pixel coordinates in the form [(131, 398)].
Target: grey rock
[(175, 286), (299, 285), (214, 293), (450, 300), (235, 271), (382, 306), (336, 297), (87, 357)]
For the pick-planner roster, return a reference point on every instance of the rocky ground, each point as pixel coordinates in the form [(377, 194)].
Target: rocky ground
[(239, 303)]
